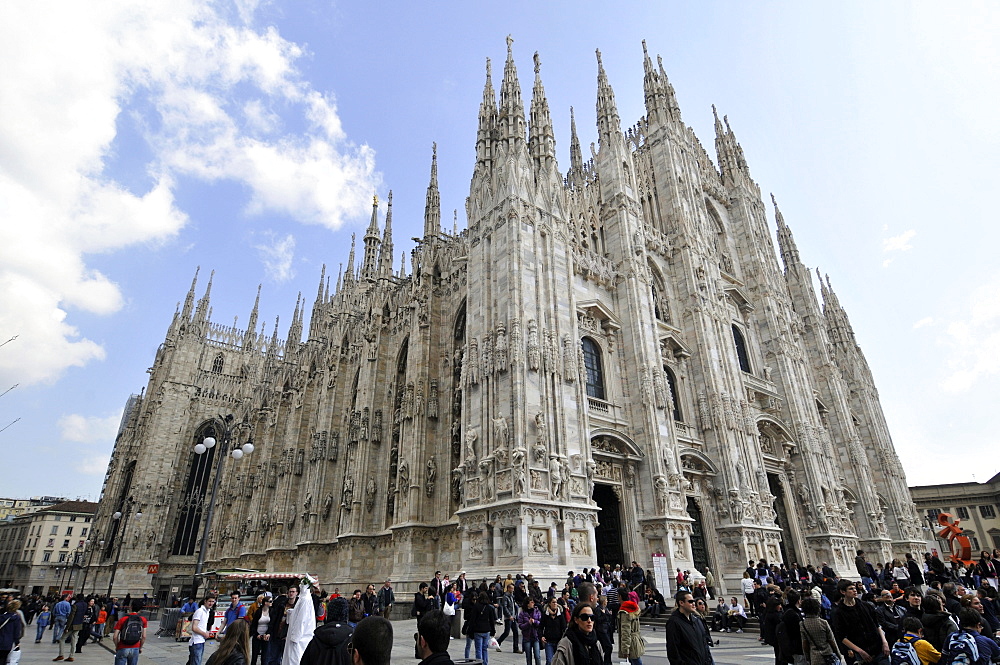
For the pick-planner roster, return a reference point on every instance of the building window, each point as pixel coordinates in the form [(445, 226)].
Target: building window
[(996, 539), (57, 518), (218, 364), (62, 557), (741, 349), (66, 543), (933, 513), (69, 531), (975, 542), (84, 532), (55, 531), (73, 518), (592, 363), (46, 556), (987, 512), (963, 513), (674, 397), (52, 542)]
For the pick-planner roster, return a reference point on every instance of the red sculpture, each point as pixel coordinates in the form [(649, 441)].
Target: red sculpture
[(961, 546)]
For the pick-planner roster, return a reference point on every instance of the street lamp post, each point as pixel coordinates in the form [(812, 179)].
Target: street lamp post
[(92, 546), (237, 452), (62, 577), (118, 515), (74, 564)]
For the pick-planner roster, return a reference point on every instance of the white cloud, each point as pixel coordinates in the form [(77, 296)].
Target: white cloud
[(93, 465), (974, 339), (926, 321), (900, 243), (277, 257), (207, 90), (89, 429)]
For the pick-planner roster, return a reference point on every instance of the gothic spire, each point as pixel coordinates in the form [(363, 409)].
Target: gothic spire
[(372, 242), (272, 347), (608, 121), (201, 313), (651, 86), (487, 120), (385, 253), (189, 299), (542, 143), (510, 123), (402, 265), (786, 243), (728, 149), (250, 335), (432, 207), (322, 281), (575, 174), (349, 274), (295, 330)]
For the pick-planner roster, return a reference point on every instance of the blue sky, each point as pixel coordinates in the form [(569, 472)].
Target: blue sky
[(139, 140)]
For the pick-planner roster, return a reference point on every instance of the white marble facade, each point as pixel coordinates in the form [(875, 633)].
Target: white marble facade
[(608, 362)]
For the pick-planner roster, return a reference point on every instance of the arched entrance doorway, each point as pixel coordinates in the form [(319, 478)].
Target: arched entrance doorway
[(608, 533)]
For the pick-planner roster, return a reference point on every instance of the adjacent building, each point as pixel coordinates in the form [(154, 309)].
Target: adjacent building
[(45, 550), (977, 505), (608, 362)]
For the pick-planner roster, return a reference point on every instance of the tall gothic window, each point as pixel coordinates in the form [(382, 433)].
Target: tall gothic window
[(218, 364), (672, 382), (741, 349), (188, 529), (595, 372)]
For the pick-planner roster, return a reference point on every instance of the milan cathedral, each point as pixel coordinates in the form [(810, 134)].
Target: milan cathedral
[(608, 363)]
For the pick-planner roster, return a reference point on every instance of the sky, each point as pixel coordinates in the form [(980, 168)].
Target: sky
[(141, 140)]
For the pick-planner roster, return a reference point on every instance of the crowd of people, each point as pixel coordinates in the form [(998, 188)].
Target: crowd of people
[(905, 612), (902, 612)]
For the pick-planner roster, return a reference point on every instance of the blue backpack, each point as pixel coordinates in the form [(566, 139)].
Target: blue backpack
[(903, 653), (960, 649)]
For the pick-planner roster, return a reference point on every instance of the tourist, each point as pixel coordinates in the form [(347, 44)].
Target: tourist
[(423, 602), (201, 627), (260, 636), (735, 616), (433, 635), (129, 634), (371, 643), (856, 628), (579, 645), (508, 611), (938, 625), (235, 646), (687, 637), (818, 642), (482, 619), (355, 609), (553, 625), (529, 620), (792, 618), (630, 643), (386, 598), (329, 643), (41, 622), (11, 630)]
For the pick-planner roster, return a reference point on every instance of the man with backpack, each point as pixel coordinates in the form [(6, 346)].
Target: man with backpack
[(967, 646), (911, 648), (130, 635)]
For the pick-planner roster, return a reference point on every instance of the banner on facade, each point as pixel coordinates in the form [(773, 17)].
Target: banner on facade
[(662, 574)]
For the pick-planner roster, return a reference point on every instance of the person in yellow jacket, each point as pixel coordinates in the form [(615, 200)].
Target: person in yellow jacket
[(630, 643)]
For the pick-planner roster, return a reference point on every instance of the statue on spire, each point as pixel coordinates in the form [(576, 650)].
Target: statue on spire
[(510, 44), (538, 63)]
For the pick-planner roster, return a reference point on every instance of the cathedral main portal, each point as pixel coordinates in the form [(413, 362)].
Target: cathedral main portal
[(608, 534)]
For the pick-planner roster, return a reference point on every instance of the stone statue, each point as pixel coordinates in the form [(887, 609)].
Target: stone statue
[(370, 492), (555, 476), (404, 476), (501, 436), (431, 476), (348, 498)]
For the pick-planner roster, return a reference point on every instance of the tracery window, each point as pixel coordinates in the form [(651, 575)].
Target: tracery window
[(595, 371), (741, 349), (672, 382), (218, 364)]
